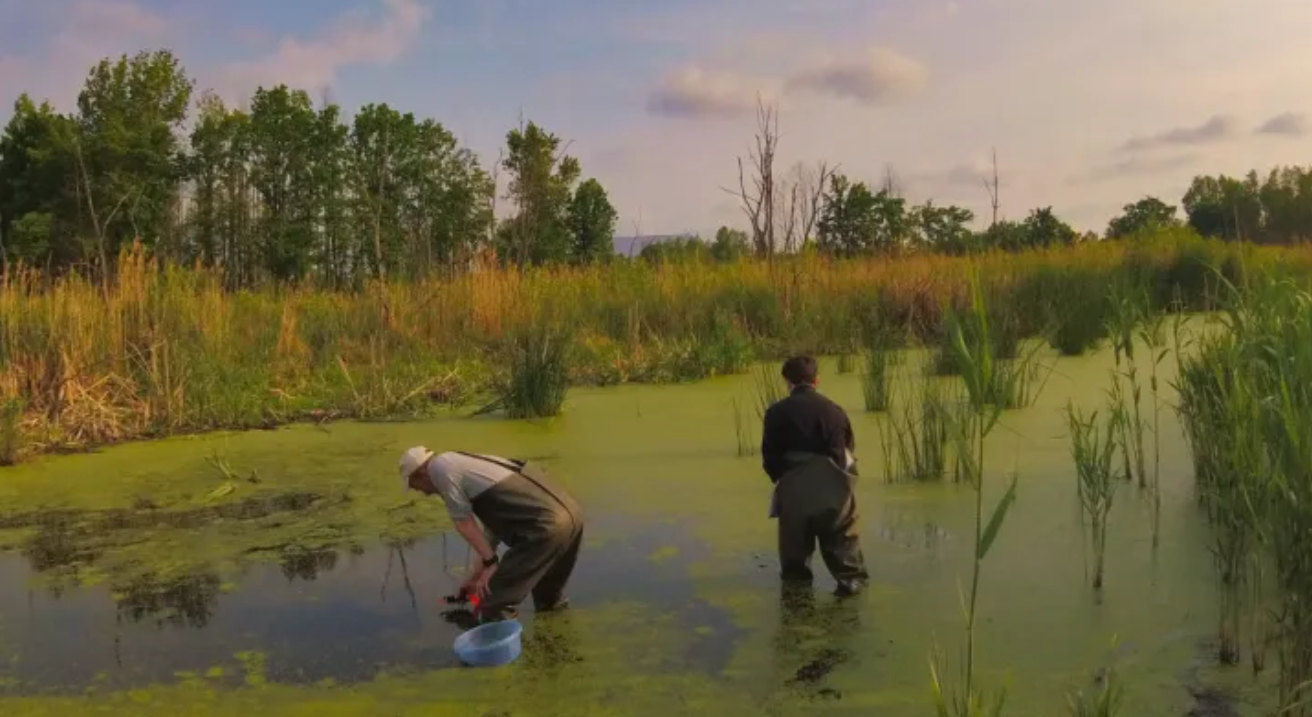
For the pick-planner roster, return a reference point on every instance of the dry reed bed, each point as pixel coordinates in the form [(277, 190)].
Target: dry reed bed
[(163, 349)]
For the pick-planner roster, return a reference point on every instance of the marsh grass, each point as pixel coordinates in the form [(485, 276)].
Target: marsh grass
[(534, 381), (11, 430), (163, 349), (914, 435), (1246, 402), (880, 358), (1106, 700), (974, 355), (769, 387), (743, 431), (1093, 448), (1017, 382)]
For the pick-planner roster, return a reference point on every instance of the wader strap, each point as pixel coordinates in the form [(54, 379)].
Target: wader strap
[(514, 466), (518, 468)]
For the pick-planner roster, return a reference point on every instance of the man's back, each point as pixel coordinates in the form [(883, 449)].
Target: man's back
[(804, 422)]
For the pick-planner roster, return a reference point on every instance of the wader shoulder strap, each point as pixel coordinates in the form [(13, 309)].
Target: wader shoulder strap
[(515, 466)]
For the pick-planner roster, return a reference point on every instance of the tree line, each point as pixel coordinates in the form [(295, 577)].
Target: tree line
[(280, 189), (287, 189)]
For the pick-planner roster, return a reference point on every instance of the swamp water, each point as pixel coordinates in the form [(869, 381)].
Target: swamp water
[(285, 573)]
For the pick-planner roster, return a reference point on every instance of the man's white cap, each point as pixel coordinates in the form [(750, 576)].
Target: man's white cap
[(410, 462)]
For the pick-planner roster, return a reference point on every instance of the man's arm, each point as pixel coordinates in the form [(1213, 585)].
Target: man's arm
[(772, 447), (840, 437), (472, 532)]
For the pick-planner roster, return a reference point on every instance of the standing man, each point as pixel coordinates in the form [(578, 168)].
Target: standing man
[(806, 449), (516, 504)]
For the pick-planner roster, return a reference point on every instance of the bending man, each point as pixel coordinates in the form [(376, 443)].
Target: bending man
[(806, 449), (540, 523)]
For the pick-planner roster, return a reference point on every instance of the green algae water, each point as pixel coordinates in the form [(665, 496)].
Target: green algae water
[(286, 573)]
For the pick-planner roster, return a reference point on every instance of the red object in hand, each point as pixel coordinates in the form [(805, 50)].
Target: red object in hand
[(474, 600)]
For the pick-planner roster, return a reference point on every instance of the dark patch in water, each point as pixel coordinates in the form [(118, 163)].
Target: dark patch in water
[(819, 668), (1209, 702)]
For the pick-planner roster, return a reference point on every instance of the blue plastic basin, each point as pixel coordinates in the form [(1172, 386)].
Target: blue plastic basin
[(490, 645)]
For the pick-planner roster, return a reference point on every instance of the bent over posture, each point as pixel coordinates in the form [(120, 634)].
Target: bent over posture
[(806, 449), (516, 503)]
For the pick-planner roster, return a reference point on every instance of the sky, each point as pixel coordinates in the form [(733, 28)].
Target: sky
[(1089, 104)]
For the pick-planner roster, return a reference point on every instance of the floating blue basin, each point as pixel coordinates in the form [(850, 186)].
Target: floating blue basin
[(490, 645)]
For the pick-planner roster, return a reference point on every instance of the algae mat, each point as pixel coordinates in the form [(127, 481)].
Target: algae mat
[(285, 573)]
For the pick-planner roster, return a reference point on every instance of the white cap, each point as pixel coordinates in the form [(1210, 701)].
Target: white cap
[(410, 462)]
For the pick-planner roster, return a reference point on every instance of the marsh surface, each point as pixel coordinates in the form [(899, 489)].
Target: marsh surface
[(285, 573)]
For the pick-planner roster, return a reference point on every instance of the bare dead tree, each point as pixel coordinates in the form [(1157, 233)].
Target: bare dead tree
[(813, 180), (790, 210), (991, 186), (758, 202)]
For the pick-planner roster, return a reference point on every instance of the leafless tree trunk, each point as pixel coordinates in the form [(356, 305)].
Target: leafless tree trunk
[(991, 186), (758, 203), (813, 181)]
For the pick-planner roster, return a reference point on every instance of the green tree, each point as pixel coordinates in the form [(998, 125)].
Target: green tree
[(848, 220), (592, 220), (730, 245), (541, 187), (941, 229), (1144, 215), (676, 250), (1224, 207), (1042, 228), (282, 124), (128, 148), (37, 199)]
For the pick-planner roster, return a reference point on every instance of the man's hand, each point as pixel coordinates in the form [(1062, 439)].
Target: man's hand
[(477, 583)]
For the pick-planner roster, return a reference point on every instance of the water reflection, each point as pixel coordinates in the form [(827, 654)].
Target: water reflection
[(185, 601), (814, 638), (312, 613)]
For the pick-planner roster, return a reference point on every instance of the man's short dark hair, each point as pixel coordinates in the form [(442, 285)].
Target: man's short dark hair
[(801, 371)]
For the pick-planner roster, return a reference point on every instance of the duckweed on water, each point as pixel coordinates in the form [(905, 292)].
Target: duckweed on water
[(703, 631)]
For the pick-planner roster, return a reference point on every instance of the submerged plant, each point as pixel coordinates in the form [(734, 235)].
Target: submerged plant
[(1093, 447), (974, 354)]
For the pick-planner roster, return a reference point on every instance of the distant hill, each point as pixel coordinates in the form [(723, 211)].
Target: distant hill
[(632, 245)]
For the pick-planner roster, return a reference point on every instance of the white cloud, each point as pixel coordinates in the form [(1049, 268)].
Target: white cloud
[(694, 92), (314, 62), (873, 77)]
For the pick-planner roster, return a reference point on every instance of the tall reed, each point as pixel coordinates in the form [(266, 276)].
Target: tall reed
[(974, 354), (1093, 447), (535, 379), (164, 349), (11, 430), (743, 431), (880, 356), (770, 388), (915, 436)]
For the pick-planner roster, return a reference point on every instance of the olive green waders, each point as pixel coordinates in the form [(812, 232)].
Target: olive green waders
[(542, 527), (815, 504)]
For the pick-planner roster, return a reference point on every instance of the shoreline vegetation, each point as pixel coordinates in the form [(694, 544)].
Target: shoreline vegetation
[(162, 349)]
